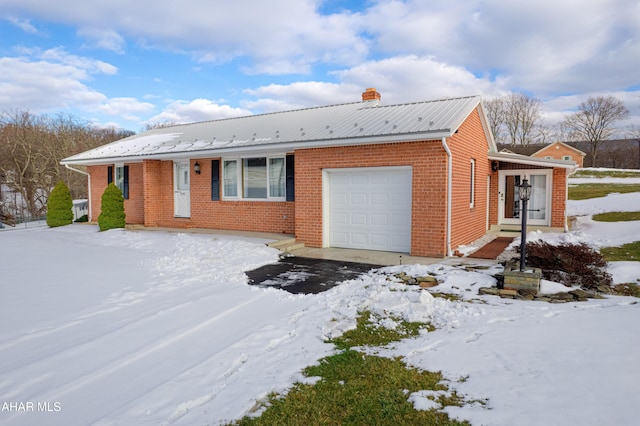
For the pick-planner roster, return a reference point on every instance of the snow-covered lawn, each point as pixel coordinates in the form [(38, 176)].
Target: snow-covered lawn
[(134, 328)]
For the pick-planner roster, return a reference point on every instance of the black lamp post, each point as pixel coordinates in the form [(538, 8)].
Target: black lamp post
[(524, 191)]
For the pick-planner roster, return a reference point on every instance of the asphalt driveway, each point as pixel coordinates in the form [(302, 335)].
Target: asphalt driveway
[(306, 275)]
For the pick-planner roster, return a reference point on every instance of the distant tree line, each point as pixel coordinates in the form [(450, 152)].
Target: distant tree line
[(516, 119), (31, 147)]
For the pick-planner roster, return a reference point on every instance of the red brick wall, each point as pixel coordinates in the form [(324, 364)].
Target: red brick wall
[(559, 198), (133, 206), (152, 184), (261, 216), (429, 164), (469, 223), (98, 185), (557, 151)]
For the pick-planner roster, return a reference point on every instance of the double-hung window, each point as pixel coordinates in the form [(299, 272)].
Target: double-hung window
[(256, 178), (120, 178), (472, 183)]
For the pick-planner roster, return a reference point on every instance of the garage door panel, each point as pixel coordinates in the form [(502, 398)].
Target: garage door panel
[(359, 239), (360, 199), (379, 199), (358, 219), (372, 209), (379, 220), (339, 218)]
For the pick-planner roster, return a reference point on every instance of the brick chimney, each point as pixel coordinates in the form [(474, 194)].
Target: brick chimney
[(371, 94)]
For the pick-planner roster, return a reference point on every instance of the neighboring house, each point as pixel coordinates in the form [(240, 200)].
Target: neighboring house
[(553, 151), (420, 178)]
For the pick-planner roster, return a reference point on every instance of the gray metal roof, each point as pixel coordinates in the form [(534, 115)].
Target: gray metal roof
[(346, 124)]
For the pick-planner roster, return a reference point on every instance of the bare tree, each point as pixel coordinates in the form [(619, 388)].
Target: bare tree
[(515, 119), (522, 115), (494, 109), (31, 147), (595, 119)]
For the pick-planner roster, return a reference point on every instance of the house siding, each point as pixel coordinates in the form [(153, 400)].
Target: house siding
[(469, 223), (260, 216), (557, 151), (429, 197), (133, 206)]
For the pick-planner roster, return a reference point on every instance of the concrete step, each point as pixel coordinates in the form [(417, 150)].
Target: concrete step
[(286, 246), (282, 243)]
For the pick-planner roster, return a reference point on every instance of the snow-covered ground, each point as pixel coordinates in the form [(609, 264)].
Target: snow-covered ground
[(134, 328)]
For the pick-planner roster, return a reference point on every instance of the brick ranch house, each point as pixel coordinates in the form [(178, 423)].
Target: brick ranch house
[(420, 178)]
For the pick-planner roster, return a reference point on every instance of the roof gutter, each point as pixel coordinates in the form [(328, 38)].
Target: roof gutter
[(449, 189), (88, 187)]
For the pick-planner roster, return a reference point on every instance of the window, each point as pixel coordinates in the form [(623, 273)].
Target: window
[(548, 157), (230, 178), (121, 178), (472, 188), (276, 177), (566, 157), (260, 178), (254, 174)]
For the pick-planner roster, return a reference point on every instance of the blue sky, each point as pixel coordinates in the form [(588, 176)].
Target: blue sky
[(128, 64)]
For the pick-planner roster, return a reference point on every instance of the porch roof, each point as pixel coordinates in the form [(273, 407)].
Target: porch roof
[(532, 161), (355, 123)]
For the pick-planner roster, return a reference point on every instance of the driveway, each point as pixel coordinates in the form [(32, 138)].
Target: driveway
[(307, 275)]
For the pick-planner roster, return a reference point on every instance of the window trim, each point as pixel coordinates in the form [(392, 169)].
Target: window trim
[(240, 178)]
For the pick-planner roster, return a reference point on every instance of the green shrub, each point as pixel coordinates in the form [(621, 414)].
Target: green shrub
[(112, 207), (83, 218), (59, 206)]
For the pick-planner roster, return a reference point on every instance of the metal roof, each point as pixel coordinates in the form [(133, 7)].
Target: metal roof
[(345, 124)]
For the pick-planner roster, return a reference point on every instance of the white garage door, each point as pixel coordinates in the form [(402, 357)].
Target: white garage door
[(370, 208)]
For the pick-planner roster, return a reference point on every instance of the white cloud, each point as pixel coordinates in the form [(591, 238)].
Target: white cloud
[(125, 107), (196, 110), (279, 97), (42, 86), (24, 24), (103, 39)]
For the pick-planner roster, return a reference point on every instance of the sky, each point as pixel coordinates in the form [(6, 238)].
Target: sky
[(132, 63)]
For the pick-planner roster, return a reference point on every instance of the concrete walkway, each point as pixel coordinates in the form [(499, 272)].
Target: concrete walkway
[(381, 258)]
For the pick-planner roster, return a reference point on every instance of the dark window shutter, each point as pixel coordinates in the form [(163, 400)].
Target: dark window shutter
[(290, 184), (125, 193), (215, 180), (109, 174)]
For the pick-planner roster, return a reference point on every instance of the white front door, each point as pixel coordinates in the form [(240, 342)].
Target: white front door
[(368, 208), (539, 206), (181, 189)]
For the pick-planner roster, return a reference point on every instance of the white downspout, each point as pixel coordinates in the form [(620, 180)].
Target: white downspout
[(88, 187), (449, 189)]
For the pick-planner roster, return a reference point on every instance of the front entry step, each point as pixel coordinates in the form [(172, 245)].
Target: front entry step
[(286, 246)]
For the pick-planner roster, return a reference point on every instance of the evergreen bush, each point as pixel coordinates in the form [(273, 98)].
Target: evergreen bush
[(112, 215), (59, 206)]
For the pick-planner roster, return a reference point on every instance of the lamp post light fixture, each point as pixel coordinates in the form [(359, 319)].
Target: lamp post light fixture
[(196, 168), (524, 191)]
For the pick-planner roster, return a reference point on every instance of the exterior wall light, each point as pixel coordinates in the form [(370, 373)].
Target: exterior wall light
[(196, 168)]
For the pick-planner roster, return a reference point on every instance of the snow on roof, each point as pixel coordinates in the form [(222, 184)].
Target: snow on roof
[(344, 124)]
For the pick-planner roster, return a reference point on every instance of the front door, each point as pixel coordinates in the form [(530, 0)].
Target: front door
[(539, 206), (181, 192)]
